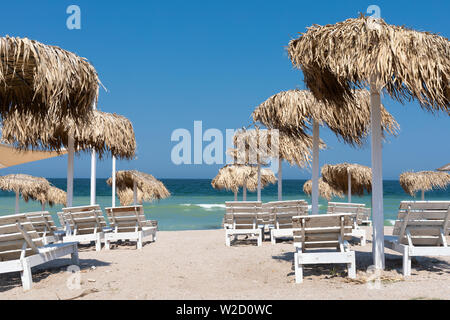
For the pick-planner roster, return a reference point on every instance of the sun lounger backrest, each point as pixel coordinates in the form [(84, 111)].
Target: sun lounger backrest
[(362, 213), (43, 222), (322, 231), (18, 238), (85, 219), (422, 223), (126, 219), (283, 211), (244, 214)]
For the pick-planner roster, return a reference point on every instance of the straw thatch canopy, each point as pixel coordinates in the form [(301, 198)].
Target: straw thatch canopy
[(233, 177), (26, 185), (52, 196), (39, 78), (295, 150), (103, 132), (337, 177), (148, 187), (412, 182), (444, 168), (325, 190), (292, 111), (408, 64)]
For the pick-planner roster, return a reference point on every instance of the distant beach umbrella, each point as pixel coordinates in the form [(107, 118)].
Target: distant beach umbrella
[(41, 79), (10, 156), (293, 111), (233, 177), (102, 132), (51, 196), (348, 178), (22, 184), (136, 187), (325, 190), (423, 181), (444, 168), (407, 64)]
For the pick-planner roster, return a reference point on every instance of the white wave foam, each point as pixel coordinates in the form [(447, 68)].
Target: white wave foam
[(206, 206)]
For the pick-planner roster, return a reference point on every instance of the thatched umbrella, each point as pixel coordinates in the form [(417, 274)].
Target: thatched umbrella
[(102, 132), (25, 185), (42, 79), (52, 196), (350, 178), (325, 190), (136, 187), (444, 168), (366, 51), (423, 181), (232, 177), (292, 111)]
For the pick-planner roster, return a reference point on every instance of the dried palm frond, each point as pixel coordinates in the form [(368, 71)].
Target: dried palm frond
[(337, 177), (28, 186), (412, 182), (325, 190)]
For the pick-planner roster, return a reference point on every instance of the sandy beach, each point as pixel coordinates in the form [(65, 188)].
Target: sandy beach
[(198, 265)]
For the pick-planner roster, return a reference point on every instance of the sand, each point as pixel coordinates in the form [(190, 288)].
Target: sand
[(198, 265)]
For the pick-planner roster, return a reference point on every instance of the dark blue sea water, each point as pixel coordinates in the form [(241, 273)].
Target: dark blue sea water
[(194, 204)]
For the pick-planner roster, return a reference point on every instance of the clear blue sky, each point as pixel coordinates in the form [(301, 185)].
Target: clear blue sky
[(168, 63)]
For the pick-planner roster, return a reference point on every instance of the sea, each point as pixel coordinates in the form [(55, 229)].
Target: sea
[(195, 205)]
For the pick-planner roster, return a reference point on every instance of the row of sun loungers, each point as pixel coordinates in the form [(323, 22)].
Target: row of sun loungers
[(31, 239), (420, 230)]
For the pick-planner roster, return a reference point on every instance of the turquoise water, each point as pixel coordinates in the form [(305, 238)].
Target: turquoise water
[(194, 204)]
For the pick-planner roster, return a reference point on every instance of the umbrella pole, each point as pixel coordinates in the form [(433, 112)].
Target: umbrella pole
[(93, 176), (349, 187), (43, 206), (235, 196), (259, 182), (17, 202), (377, 180), (315, 169), (423, 195), (113, 202), (244, 190), (70, 150), (134, 193), (280, 179)]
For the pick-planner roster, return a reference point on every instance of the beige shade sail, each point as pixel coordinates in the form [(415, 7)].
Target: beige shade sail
[(147, 187), (103, 132), (28, 186), (325, 190), (294, 111), (42, 79), (444, 168), (10, 156), (233, 177), (410, 64), (337, 177), (412, 182)]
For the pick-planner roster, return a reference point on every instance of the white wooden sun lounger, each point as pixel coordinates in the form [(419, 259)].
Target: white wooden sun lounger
[(362, 217), (129, 223), (420, 230), (45, 226), (244, 216), (86, 224), (330, 231), (282, 213), (21, 248)]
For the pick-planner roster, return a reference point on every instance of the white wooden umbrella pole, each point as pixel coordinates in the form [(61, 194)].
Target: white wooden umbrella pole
[(377, 179), (70, 156), (17, 202), (43, 206), (315, 169), (244, 191), (113, 197), (349, 187), (235, 196), (423, 195), (259, 182), (93, 171), (134, 193), (280, 179)]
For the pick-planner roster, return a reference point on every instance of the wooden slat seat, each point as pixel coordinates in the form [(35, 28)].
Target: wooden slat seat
[(45, 226), (330, 231), (420, 230), (243, 219), (21, 248), (129, 223)]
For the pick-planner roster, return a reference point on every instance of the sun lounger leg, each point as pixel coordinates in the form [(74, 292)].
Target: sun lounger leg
[(298, 270), (25, 275), (107, 244), (351, 268), (74, 255), (227, 239), (260, 235), (363, 239), (154, 236), (98, 243), (139, 240), (273, 240), (406, 262)]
